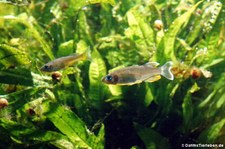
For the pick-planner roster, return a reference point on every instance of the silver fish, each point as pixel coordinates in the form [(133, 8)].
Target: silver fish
[(148, 72), (63, 62)]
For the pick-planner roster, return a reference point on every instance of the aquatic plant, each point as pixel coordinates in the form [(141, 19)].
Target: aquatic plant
[(74, 109)]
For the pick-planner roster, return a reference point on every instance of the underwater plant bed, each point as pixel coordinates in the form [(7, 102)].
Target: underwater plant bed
[(112, 74)]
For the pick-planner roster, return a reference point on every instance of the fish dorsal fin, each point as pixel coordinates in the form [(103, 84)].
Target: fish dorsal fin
[(152, 64), (153, 78)]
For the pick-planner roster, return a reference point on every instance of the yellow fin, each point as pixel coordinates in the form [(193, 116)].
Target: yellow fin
[(153, 78)]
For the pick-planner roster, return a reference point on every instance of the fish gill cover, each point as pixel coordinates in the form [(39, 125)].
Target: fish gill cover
[(72, 108)]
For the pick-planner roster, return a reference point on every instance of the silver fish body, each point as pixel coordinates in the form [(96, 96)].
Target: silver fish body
[(137, 74)]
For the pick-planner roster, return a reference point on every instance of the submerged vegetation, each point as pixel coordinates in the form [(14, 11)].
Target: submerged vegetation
[(73, 108)]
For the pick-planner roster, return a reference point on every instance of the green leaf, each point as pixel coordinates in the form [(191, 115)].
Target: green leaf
[(217, 93), (16, 129), (66, 48), (28, 134), (100, 140), (22, 77), (115, 90), (10, 56), (72, 126), (112, 2), (151, 138), (166, 49), (78, 5), (34, 29), (16, 76), (97, 70), (210, 134), (57, 139), (140, 32), (203, 23), (187, 108), (15, 2), (149, 97), (216, 107), (83, 29), (138, 27)]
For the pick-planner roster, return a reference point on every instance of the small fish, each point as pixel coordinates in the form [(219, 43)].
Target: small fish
[(63, 62), (137, 74)]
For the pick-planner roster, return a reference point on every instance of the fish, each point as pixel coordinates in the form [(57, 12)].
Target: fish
[(136, 74), (66, 61)]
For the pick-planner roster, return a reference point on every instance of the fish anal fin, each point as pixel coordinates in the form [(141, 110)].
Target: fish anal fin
[(153, 78)]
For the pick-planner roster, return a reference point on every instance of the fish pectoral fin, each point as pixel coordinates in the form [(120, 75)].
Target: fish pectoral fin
[(153, 78), (152, 64)]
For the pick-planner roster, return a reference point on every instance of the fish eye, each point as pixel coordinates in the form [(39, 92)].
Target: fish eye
[(46, 67), (111, 79), (108, 78)]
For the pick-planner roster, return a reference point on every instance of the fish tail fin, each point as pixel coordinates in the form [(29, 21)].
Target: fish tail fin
[(166, 70)]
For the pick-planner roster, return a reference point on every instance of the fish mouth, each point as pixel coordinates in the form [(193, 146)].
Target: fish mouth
[(42, 68)]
